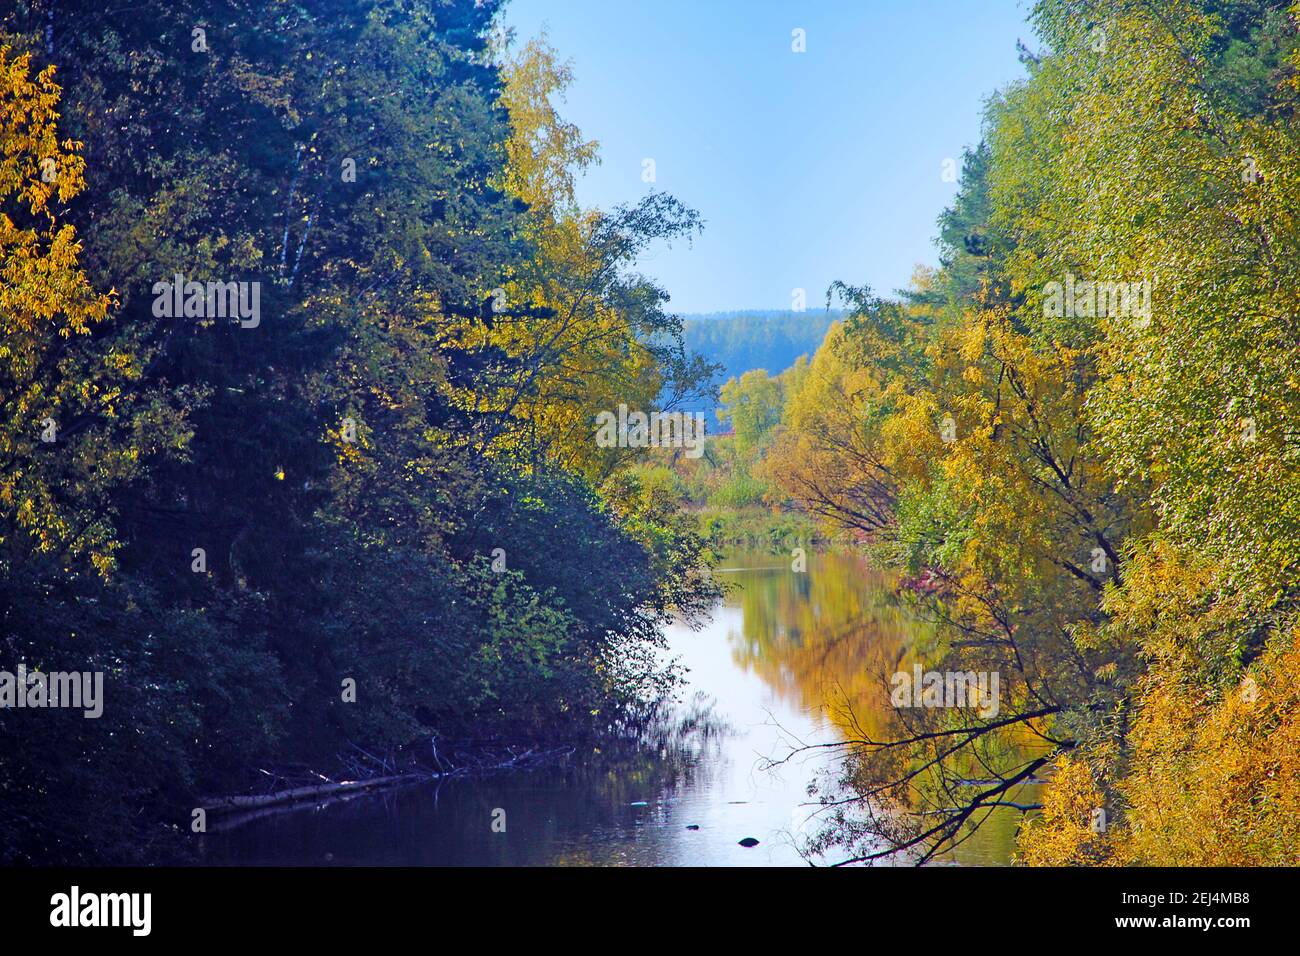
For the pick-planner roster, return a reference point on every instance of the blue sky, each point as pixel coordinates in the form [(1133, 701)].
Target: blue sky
[(806, 167)]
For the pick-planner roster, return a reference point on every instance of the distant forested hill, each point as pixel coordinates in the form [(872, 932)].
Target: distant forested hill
[(742, 340)]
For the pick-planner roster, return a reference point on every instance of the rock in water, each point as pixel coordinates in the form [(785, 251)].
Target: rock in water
[(749, 841)]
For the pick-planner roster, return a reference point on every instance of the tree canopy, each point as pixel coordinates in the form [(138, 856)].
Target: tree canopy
[(1075, 444), (319, 537)]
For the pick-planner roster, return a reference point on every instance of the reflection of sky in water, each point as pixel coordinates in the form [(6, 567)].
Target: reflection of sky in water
[(777, 664), (740, 797)]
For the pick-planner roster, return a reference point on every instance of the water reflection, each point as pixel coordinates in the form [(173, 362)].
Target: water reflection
[(787, 661), (827, 640)]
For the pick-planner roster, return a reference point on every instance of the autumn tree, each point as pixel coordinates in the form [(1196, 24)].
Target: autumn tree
[(382, 480), (583, 331), (75, 423), (1093, 500)]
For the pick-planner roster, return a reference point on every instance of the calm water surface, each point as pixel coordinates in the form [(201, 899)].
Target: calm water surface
[(787, 659)]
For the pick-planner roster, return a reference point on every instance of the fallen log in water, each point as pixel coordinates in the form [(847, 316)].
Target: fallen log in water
[(234, 819), (233, 811), (315, 792)]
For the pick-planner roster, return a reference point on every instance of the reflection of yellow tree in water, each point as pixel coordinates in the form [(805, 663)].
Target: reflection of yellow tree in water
[(828, 641)]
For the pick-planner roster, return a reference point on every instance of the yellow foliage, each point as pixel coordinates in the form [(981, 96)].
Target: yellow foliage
[(577, 354), (1071, 830), (45, 301)]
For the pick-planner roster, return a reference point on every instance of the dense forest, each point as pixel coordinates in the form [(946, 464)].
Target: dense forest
[(1075, 443), (303, 332)]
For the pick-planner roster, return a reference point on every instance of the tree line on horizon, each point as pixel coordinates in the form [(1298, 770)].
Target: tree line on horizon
[(746, 340)]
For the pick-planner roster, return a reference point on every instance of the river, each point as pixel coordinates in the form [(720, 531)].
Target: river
[(782, 661)]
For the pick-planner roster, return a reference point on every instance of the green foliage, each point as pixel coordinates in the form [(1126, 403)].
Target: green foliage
[(758, 529), (752, 406), (1100, 504), (738, 491), (345, 466), (189, 699)]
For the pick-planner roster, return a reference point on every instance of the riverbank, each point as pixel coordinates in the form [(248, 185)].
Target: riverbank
[(770, 530), (782, 662)]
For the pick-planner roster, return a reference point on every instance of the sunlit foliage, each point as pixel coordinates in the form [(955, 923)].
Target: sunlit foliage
[(1099, 503)]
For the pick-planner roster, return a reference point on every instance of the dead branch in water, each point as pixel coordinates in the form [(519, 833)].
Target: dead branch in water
[(236, 810), (297, 794)]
